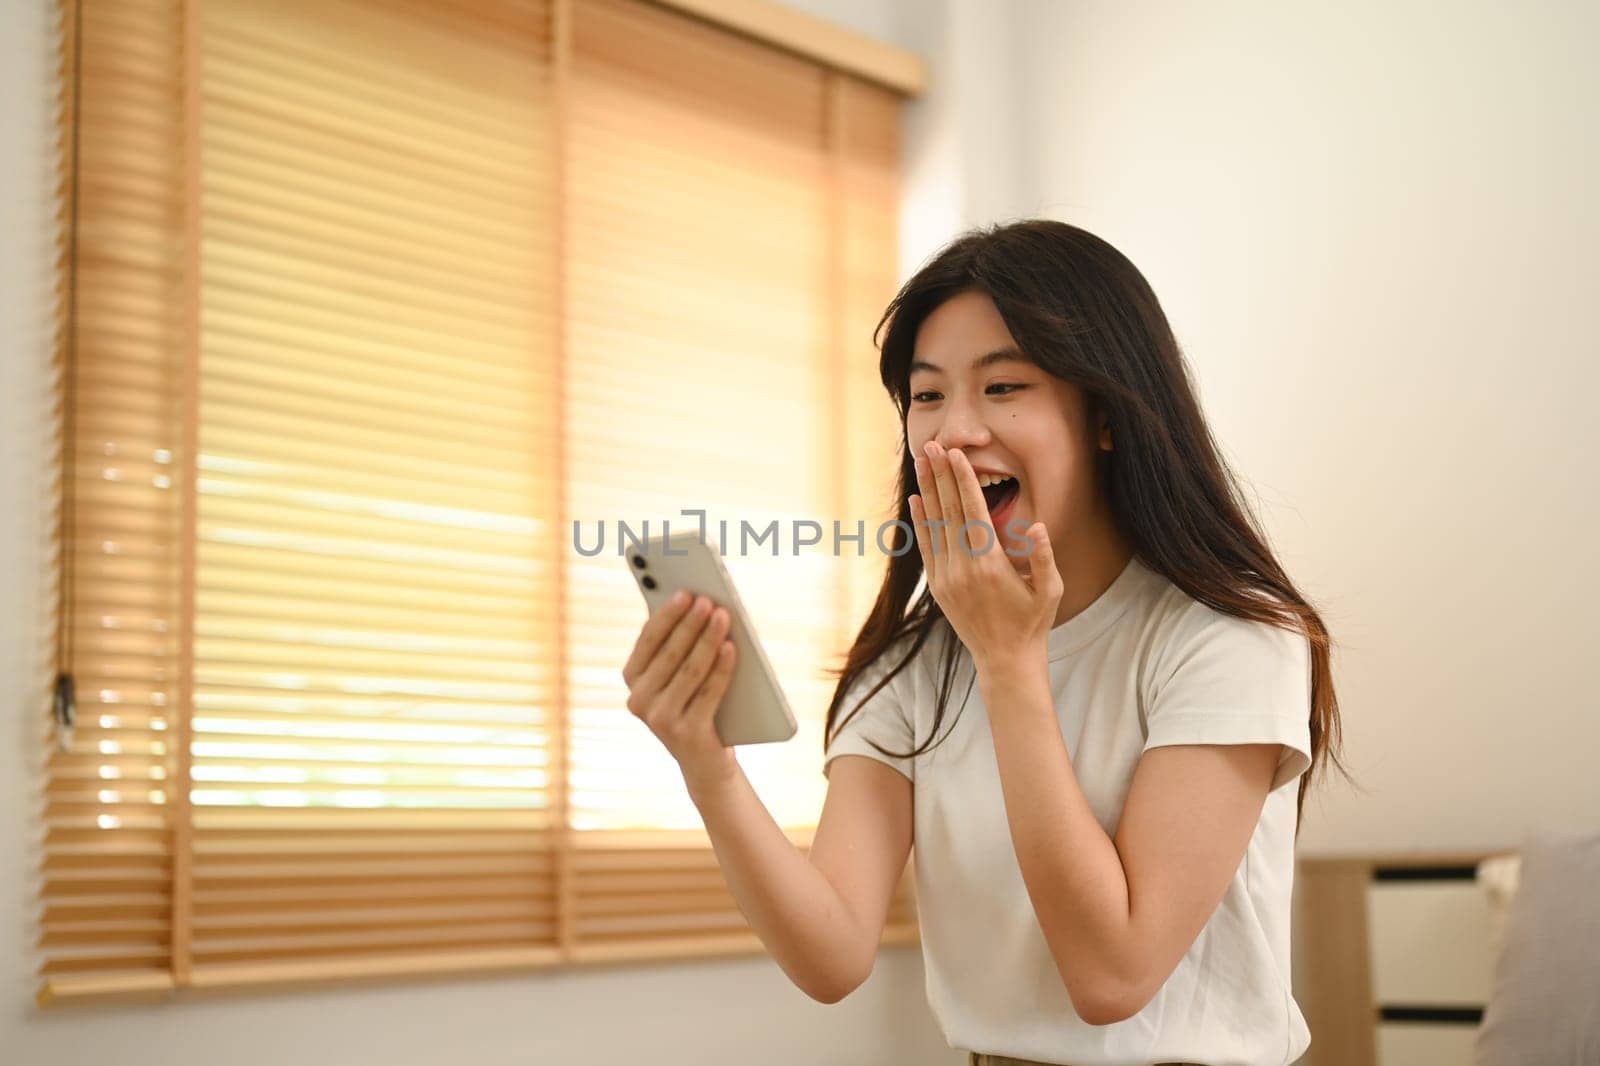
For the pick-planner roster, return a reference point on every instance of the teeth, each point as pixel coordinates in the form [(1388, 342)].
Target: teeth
[(985, 480)]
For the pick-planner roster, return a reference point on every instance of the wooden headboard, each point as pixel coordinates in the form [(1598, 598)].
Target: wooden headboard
[(1394, 956)]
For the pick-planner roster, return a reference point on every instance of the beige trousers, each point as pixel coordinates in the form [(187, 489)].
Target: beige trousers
[(978, 1058)]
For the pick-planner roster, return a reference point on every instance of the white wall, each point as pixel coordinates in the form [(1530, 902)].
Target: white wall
[(1373, 226), (965, 159), (740, 1010)]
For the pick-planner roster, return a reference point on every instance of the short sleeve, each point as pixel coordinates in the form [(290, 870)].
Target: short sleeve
[(1228, 680), (885, 717)]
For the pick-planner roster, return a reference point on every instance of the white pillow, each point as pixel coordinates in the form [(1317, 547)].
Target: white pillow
[(1497, 877), (1544, 1007)]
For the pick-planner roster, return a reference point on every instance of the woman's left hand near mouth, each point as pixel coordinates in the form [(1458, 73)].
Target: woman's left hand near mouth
[(1001, 616)]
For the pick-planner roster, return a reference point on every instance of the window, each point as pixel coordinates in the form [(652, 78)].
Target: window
[(367, 304)]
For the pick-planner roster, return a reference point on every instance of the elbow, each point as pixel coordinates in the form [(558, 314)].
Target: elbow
[(837, 986), (1105, 1000), (831, 992), (1102, 1011), (830, 995)]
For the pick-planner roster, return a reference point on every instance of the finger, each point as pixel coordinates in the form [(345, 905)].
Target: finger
[(654, 633), (708, 697), (973, 506), (698, 662), (931, 512), (1042, 572), (919, 523), (950, 496), (665, 663)]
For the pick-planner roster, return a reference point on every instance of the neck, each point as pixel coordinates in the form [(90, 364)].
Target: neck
[(1087, 567)]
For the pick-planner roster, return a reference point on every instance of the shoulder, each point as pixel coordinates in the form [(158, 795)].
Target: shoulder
[(922, 653), (886, 667), (1187, 642), (877, 714), (1216, 678)]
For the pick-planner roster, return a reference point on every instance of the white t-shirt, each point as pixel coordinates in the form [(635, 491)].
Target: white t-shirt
[(1145, 665)]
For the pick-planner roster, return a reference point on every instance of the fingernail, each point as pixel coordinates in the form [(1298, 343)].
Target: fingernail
[(931, 448), (680, 597)]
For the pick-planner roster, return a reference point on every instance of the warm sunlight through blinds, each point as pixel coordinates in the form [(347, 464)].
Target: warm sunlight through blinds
[(703, 325), (699, 230), (374, 298), (376, 597), (108, 841)]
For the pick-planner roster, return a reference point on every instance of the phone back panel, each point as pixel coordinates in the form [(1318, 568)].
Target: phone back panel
[(754, 710)]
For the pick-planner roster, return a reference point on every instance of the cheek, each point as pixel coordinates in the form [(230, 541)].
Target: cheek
[(918, 431), (1047, 457)]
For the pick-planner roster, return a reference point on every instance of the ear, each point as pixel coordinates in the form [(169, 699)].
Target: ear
[(1105, 433)]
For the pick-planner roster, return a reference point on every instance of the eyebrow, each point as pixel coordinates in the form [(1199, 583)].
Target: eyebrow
[(999, 355)]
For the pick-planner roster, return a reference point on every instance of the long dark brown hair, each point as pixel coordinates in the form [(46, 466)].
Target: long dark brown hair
[(1078, 309)]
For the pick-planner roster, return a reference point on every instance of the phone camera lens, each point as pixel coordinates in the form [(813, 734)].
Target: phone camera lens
[(638, 560), (649, 582)]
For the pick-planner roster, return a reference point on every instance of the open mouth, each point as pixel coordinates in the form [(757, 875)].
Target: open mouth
[(1000, 494)]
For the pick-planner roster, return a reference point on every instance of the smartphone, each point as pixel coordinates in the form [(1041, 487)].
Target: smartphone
[(754, 710)]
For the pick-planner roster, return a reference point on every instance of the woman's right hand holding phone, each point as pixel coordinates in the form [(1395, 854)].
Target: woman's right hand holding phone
[(677, 675)]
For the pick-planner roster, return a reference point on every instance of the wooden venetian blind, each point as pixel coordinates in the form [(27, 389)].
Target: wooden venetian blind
[(370, 301), (112, 786)]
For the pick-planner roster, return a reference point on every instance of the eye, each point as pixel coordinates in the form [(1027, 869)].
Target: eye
[(1006, 388), (925, 396)]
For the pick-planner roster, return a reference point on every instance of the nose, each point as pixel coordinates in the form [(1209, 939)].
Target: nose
[(963, 426)]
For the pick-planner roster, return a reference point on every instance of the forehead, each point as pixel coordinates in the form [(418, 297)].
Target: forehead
[(965, 327)]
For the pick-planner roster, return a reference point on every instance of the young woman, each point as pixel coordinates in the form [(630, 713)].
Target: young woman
[(1105, 821)]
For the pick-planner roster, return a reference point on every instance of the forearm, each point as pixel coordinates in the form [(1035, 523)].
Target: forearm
[(792, 907), (1069, 864)]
